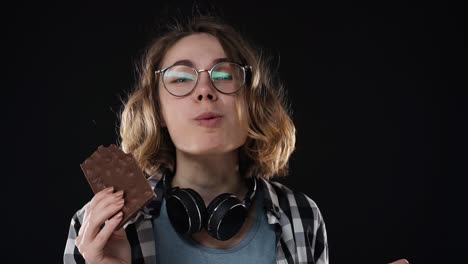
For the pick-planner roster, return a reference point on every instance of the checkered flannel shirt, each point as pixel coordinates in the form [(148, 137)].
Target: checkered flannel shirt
[(300, 230)]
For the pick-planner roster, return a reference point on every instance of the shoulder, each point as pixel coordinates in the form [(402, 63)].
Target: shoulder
[(294, 207), (283, 196), (301, 219)]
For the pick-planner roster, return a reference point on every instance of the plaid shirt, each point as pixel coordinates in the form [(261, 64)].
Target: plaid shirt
[(300, 230)]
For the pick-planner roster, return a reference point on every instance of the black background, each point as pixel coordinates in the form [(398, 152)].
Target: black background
[(376, 94)]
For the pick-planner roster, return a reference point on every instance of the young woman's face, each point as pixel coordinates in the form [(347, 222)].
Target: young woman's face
[(205, 121)]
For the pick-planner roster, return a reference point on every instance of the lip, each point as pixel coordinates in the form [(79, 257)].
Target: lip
[(209, 119), (208, 115)]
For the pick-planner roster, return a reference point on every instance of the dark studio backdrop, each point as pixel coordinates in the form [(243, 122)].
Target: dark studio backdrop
[(375, 93)]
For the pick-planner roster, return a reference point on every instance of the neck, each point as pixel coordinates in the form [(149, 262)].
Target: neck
[(209, 175)]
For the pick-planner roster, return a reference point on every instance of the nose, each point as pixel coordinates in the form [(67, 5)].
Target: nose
[(204, 89)]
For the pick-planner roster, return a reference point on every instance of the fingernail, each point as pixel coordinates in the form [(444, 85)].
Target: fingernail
[(119, 215), (110, 189)]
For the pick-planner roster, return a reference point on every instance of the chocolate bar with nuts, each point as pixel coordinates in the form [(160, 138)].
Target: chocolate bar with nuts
[(110, 166)]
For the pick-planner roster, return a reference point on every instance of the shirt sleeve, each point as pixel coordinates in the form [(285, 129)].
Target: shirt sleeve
[(71, 254), (314, 228), (321, 243)]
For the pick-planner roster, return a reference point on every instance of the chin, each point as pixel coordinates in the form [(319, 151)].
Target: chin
[(209, 149), (209, 145)]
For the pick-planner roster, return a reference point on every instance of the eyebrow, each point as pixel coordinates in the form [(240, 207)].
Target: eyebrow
[(190, 63)]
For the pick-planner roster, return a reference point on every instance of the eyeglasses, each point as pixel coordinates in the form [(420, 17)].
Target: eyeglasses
[(226, 77)]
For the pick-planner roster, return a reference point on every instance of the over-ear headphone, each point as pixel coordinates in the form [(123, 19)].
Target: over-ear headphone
[(222, 218)]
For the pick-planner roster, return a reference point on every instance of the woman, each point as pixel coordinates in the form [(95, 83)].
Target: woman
[(207, 123)]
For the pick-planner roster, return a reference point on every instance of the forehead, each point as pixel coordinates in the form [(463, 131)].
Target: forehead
[(201, 49)]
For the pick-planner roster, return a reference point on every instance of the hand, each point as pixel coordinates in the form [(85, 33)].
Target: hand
[(400, 261), (97, 240)]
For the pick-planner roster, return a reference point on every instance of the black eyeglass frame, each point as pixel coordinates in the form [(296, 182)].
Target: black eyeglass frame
[(198, 71)]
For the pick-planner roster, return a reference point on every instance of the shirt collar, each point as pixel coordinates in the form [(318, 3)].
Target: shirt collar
[(270, 199)]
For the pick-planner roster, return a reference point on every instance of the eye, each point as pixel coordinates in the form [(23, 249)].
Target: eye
[(179, 77), (221, 75)]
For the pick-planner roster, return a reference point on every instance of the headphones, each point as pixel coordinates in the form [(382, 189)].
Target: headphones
[(222, 218)]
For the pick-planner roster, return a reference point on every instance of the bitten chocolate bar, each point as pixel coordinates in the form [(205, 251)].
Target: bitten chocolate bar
[(110, 166)]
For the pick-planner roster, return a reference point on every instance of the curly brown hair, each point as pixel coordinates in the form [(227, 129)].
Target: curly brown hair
[(271, 134)]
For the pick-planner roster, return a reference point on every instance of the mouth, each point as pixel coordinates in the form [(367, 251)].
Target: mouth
[(208, 116), (209, 119)]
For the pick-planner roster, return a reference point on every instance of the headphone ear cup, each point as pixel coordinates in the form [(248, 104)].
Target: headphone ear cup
[(186, 210), (225, 216)]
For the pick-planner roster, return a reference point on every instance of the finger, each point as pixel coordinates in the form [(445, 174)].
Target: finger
[(83, 237), (99, 201), (79, 241), (82, 227), (108, 201), (103, 236), (96, 199), (100, 215)]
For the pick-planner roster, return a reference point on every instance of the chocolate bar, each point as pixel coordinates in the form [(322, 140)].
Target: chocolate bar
[(110, 166)]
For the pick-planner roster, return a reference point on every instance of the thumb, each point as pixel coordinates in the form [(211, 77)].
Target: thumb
[(121, 233)]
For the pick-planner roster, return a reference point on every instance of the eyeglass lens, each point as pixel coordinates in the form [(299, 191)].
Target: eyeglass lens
[(226, 77)]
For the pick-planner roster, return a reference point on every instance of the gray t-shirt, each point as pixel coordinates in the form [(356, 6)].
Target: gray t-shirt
[(258, 246)]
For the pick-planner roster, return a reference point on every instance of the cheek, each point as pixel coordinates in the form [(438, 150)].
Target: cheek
[(241, 125), (242, 113), (171, 115), (174, 124), (167, 107)]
